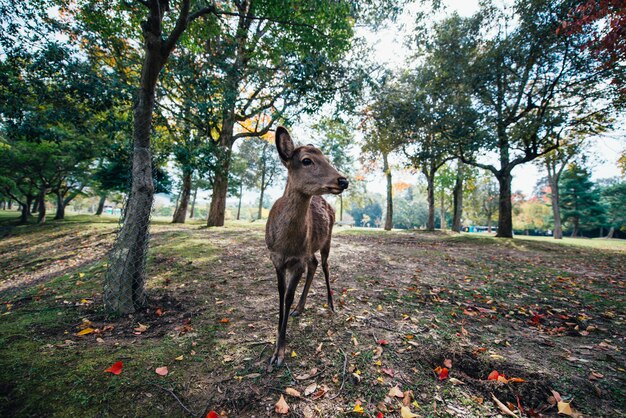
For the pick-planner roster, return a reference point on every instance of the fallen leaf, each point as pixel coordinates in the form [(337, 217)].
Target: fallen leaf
[(141, 328), (503, 407), (595, 376), (388, 372), (382, 342), (493, 375), (224, 321), (358, 408), (293, 392), (293, 354), (379, 308), (212, 414), (455, 381), (395, 392), (116, 368), (281, 406), (447, 363), (516, 380), (160, 312), (406, 412), (320, 393), (444, 374), (162, 371), (85, 331), (380, 415), (502, 379), (564, 408), (180, 358), (310, 389)]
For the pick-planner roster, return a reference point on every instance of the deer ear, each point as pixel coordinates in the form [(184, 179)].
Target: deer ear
[(284, 144)]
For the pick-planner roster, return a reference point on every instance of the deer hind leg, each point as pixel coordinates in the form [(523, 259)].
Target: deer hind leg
[(286, 299), (325, 251), (310, 273)]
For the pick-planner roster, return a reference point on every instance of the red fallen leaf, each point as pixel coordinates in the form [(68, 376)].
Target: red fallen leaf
[(224, 320), (382, 342), (332, 292), (380, 415), (212, 414), (162, 371), (159, 312), (389, 372), (536, 319), (444, 374), (493, 375), (115, 368)]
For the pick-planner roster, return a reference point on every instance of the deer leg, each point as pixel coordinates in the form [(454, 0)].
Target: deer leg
[(295, 276), (280, 273), (310, 273), (325, 252)]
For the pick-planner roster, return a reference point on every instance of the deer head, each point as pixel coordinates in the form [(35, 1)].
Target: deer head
[(309, 172)]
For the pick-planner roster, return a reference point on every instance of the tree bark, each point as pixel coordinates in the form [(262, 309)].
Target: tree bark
[(217, 210), (60, 212), (505, 211), (25, 214), (35, 208), (185, 194), (101, 202), (41, 218), (10, 204), (193, 202), (442, 212), (611, 232), (575, 228), (458, 199), (553, 182), (240, 197), (430, 191), (389, 214)]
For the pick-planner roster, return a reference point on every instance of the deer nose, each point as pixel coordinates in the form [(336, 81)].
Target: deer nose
[(343, 183)]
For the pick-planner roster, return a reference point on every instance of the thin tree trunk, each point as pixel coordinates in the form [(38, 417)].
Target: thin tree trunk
[(185, 194), (458, 199), (556, 209), (575, 229), (193, 202), (26, 210), (389, 214), (101, 202), (505, 212), (41, 218), (240, 197), (35, 208), (489, 224), (611, 233), (442, 212), (430, 190), (3, 204), (10, 205)]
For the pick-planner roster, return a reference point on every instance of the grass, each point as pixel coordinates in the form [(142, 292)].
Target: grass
[(550, 312)]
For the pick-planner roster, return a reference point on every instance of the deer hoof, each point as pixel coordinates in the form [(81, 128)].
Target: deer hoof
[(295, 313), (277, 358)]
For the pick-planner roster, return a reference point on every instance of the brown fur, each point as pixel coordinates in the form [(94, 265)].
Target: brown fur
[(300, 223)]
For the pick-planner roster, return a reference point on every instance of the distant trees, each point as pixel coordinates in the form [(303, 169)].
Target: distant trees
[(580, 201)]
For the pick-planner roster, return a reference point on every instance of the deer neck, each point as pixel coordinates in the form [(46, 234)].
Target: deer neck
[(296, 213)]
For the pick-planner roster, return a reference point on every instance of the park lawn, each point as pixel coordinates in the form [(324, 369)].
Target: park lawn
[(549, 313)]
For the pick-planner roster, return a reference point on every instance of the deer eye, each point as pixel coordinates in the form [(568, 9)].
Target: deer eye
[(306, 162)]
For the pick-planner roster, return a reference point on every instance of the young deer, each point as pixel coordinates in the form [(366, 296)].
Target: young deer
[(300, 224)]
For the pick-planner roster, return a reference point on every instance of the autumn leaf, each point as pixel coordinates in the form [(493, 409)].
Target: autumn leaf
[(310, 389), (447, 363), (358, 408), (564, 408), (395, 392), (116, 368), (406, 412), (162, 371), (85, 331), (388, 372), (212, 414), (180, 358), (380, 415), (293, 354), (443, 375), (224, 321), (281, 406), (493, 375), (516, 380), (293, 392), (141, 328), (456, 381), (160, 312), (382, 342)]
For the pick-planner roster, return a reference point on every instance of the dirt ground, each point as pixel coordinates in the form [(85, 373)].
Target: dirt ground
[(548, 317)]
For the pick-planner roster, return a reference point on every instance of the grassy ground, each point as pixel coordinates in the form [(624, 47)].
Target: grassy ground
[(550, 313)]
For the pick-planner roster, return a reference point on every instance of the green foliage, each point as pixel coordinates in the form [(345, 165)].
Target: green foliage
[(614, 200), (580, 201)]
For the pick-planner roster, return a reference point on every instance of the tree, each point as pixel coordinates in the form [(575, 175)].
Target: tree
[(580, 203), (483, 199), (614, 200), (531, 87), (443, 184), (457, 197)]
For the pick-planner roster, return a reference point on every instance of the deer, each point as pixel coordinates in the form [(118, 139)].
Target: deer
[(299, 225)]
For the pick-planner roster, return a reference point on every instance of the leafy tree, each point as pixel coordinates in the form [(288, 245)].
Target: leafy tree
[(614, 200), (532, 215), (580, 202), (483, 199), (444, 184)]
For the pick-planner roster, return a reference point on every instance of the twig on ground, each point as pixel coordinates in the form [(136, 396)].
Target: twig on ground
[(171, 392), (343, 378)]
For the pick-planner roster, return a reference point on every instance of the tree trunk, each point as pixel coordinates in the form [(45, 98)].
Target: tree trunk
[(505, 211), (10, 206), (217, 210), (611, 232), (430, 189), (60, 212), (124, 281), (193, 202), (35, 208), (389, 214), (556, 210), (240, 197), (185, 194), (41, 218), (575, 229), (3, 204), (26, 210), (458, 199), (442, 212), (101, 202), (489, 224)]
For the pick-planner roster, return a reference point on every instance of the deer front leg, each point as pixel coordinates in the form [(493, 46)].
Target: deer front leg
[(286, 299), (310, 273), (325, 251)]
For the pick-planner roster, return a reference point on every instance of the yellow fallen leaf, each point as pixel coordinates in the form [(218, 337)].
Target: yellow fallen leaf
[(293, 354), (85, 331), (180, 358), (281, 406), (503, 407), (564, 408), (293, 392), (406, 412), (455, 381), (415, 404), (81, 275), (379, 308), (395, 392), (141, 328), (380, 379), (358, 408)]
